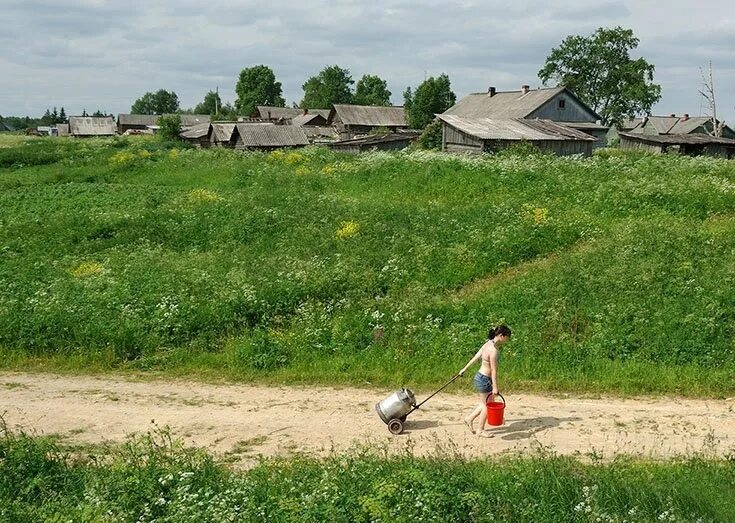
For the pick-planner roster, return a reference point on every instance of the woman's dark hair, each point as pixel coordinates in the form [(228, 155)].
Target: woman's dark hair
[(499, 330)]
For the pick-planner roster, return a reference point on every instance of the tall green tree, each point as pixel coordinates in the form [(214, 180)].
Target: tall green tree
[(160, 102), (601, 72), (371, 90), (333, 85), (212, 104), (257, 85), (433, 96), (62, 116)]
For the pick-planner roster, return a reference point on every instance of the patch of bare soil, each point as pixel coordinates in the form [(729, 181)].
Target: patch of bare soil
[(241, 422)]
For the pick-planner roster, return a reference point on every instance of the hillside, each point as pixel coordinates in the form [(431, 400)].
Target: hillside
[(615, 273)]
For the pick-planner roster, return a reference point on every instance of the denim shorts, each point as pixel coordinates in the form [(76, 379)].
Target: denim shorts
[(482, 383)]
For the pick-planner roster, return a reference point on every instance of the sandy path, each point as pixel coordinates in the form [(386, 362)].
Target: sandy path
[(242, 421)]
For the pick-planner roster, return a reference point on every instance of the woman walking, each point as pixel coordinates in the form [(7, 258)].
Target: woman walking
[(486, 379)]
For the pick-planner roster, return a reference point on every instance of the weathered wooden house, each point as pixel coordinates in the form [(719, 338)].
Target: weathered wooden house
[(198, 135), (695, 144), (264, 137), (479, 135), (677, 125), (374, 142), (557, 104), (62, 129), (353, 121), (86, 126)]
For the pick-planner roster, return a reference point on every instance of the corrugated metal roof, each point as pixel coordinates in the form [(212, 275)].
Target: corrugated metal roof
[(222, 132), (369, 115), (137, 119), (508, 104), (674, 139), (188, 120), (260, 135), (92, 126), (514, 129), (689, 125)]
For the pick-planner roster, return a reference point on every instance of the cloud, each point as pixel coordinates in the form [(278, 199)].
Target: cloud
[(96, 53)]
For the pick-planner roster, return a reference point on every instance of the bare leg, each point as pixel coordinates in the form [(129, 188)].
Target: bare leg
[(480, 410)]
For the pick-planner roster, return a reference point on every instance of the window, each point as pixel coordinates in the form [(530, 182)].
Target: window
[(562, 104)]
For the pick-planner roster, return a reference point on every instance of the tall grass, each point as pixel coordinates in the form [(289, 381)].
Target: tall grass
[(153, 478), (615, 273)]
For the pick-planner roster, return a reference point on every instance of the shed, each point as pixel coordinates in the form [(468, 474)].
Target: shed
[(355, 120), (139, 122), (688, 144), (376, 142), (84, 126), (198, 135), (267, 137), (477, 135), (557, 104)]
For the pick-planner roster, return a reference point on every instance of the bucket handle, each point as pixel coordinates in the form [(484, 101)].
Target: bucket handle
[(498, 394)]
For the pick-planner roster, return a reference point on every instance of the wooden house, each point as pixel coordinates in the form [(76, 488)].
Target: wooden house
[(678, 125), (265, 137), (143, 122), (270, 113), (353, 121), (695, 144), (199, 135), (478, 135), (556, 104), (223, 134), (86, 126)]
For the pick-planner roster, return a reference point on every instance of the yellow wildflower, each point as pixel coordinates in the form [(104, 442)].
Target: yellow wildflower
[(86, 269), (203, 196), (173, 154), (347, 230), (536, 215)]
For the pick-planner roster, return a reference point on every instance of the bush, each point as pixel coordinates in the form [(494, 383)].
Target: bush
[(169, 127)]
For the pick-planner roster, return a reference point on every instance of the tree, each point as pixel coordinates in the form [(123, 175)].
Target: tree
[(62, 116), (211, 105), (333, 85), (47, 118), (371, 90), (708, 93), (599, 70), (257, 86), (433, 96), (169, 126), (160, 102)]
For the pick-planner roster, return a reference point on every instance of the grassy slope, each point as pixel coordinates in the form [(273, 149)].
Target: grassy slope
[(615, 273)]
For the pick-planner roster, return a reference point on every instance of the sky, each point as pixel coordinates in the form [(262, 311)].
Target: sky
[(96, 54)]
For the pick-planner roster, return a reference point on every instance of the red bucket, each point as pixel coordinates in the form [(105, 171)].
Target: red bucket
[(495, 412)]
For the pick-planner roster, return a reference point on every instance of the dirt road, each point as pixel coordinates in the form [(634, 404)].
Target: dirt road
[(239, 422)]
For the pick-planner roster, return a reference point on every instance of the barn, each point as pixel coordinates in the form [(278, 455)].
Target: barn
[(86, 126), (352, 121), (264, 137), (479, 135)]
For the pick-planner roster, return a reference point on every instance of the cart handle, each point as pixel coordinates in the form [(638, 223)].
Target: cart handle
[(447, 384)]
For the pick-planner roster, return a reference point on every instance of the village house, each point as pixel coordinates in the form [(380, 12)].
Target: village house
[(266, 112), (86, 126), (478, 135), (556, 104), (265, 137), (143, 122), (223, 134), (695, 144), (353, 121), (673, 125)]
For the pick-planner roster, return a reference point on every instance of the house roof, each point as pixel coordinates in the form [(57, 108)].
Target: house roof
[(369, 115), (187, 120), (92, 126), (375, 139), (679, 139), (508, 104), (263, 135), (197, 131), (514, 129), (309, 119), (266, 111), (222, 132)]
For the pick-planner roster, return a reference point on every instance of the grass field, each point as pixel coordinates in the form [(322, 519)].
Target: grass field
[(616, 273), (153, 478)]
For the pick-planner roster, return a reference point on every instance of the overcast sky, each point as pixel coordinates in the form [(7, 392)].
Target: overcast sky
[(96, 54)]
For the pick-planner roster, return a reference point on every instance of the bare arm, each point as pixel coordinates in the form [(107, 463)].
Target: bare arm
[(470, 363)]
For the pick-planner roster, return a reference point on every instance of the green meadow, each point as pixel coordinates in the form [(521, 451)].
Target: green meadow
[(616, 273)]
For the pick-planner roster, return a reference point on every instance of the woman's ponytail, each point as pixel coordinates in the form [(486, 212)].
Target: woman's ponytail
[(501, 330)]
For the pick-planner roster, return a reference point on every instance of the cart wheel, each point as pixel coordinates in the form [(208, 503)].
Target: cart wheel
[(395, 426)]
